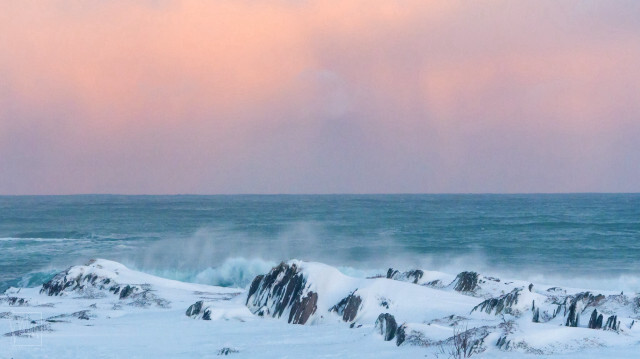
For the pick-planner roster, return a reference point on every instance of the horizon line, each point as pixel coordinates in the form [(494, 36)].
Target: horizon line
[(307, 194)]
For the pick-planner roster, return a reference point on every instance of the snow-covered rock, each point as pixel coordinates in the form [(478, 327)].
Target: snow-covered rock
[(284, 290)]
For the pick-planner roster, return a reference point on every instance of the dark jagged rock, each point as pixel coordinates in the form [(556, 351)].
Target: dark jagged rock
[(595, 322), (127, 291), (612, 323), (302, 309), (195, 308), (348, 307), (536, 315), (412, 276), (503, 343), (401, 334), (254, 287), (283, 288), (503, 303), (466, 282), (227, 351), (387, 326), (198, 310), (392, 273), (573, 318)]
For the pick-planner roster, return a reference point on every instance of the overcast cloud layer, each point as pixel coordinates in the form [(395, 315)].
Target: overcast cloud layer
[(319, 96)]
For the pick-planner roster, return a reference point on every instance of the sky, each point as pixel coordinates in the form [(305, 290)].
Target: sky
[(303, 96)]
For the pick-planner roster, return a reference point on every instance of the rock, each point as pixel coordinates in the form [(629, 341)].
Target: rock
[(227, 351), (503, 343), (573, 318), (283, 289), (301, 310), (127, 291), (612, 323), (348, 307), (412, 276), (194, 309), (573, 305), (78, 279), (595, 322), (82, 314), (29, 331), (84, 282), (466, 282), (15, 301), (401, 334), (387, 326), (197, 310), (503, 303)]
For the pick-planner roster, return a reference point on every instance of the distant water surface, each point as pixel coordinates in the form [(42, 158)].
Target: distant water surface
[(225, 240)]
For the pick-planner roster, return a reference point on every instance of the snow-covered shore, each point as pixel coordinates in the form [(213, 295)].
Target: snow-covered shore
[(104, 309)]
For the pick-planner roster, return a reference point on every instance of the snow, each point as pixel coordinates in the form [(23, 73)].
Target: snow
[(92, 321)]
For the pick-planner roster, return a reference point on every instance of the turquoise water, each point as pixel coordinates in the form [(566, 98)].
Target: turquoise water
[(227, 239)]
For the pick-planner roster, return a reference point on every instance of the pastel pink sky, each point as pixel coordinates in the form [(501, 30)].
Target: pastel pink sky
[(319, 97)]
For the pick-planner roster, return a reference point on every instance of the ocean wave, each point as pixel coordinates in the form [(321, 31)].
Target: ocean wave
[(55, 235), (30, 239), (234, 272)]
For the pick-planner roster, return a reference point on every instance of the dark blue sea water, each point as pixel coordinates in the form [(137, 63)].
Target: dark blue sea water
[(226, 240)]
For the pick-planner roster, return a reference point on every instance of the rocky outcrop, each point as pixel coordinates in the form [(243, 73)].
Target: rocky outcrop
[(466, 282), (412, 276), (82, 314), (82, 280), (574, 305), (280, 292), (14, 301), (501, 304), (348, 307), (93, 281), (386, 325)]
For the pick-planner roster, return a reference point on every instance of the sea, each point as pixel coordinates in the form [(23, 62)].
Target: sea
[(578, 240)]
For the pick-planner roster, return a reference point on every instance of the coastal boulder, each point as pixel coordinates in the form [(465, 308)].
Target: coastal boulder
[(386, 325), (197, 310), (282, 291)]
